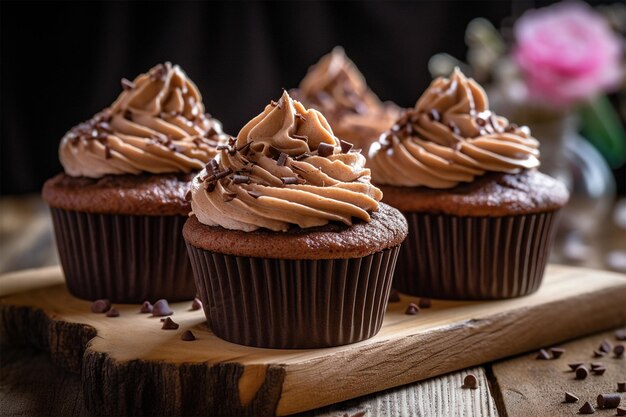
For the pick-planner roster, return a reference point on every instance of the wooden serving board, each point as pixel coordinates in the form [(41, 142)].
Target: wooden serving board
[(130, 366)]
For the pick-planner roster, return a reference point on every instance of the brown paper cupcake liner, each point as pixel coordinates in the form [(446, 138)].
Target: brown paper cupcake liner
[(123, 258), (474, 258), (289, 304)]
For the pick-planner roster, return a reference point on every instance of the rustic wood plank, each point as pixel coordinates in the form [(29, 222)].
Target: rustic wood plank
[(531, 387), (177, 377)]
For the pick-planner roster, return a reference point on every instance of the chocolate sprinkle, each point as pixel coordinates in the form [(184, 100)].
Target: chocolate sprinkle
[(609, 400), (412, 309), (470, 381), (196, 304), (161, 308), (289, 180), (241, 179), (100, 306), (112, 313), (345, 146), (187, 336), (127, 84), (581, 372), (543, 354), (282, 159), (621, 387), (587, 408), (146, 308), (324, 149), (557, 352), (621, 411), (394, 296), (424, 303), (169, 324), (570, 398), (618, 350)]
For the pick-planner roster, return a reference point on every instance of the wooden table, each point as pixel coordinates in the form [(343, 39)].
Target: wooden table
[(30, 385)]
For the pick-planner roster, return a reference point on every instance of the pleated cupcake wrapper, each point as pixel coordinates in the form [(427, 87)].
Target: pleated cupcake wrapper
[(474, 258), (123, 258), (278, 303)]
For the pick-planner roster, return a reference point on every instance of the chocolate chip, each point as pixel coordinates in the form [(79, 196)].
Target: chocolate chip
[(618, 350), (282, 159), (161, 308), (605, 346), (187, 336), (570, 398), (169, 324), (254, 194), (599, 371), (543, 354), (595, 365), (100, 306), (581, 372), (196, 304), (621, 411), (241, 179), (424, 303), (620, 334), (127, 84), (112, 313), (394, 296), (289, 180), (557, 352), (587, 408), (146, 308), (470, 381), (609, 400), (412, 309), (598, 354), (345, 146), (324, 149), (621, 387), (574, 366)]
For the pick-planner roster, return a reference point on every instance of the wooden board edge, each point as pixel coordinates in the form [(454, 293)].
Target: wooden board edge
[(30, 279)]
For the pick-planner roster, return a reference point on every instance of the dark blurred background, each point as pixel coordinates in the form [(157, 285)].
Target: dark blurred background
[(62, 62)]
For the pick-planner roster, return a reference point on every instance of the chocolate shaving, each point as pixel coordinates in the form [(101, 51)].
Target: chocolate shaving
[(345, 146), (275, 152), (127, 84), (303, 156), (324, 149), (146, 308), (282, 159), (107, 152), (254, 194), (170, 324), (187, 336), (209, 187), (158, 73)]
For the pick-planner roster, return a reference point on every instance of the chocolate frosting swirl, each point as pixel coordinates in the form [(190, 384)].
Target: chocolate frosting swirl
[(156, 125), (337, 88), (450, 137), (285, 168)]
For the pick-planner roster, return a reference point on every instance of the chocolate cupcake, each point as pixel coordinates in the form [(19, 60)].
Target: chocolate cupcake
[(119, 208), (481, 217), (335, 87), (289, 245)]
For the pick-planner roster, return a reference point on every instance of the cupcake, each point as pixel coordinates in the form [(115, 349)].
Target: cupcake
[(118, 209), (481, 217), (289, 245), (335, 87)]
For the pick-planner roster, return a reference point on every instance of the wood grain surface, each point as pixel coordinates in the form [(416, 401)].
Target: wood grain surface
[(135, 367), (531, 387)]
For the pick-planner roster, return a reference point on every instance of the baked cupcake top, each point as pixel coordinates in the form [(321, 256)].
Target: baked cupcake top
[(285, 168), (450, 137), (156, 125), (337, 88)]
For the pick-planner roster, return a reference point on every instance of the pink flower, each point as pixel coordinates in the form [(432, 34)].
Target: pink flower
[(567, 53)]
